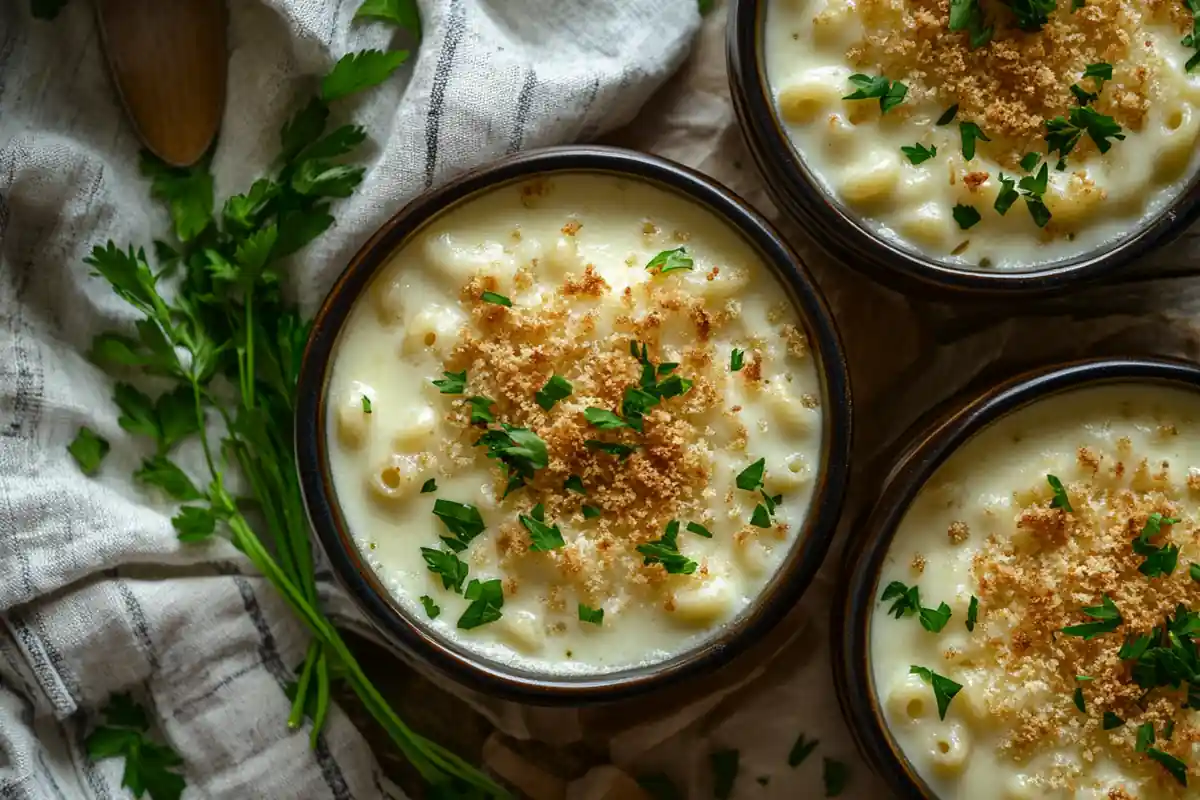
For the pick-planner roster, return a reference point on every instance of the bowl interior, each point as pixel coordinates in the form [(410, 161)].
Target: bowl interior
[(928, 450), (411, 634), (847, 235)]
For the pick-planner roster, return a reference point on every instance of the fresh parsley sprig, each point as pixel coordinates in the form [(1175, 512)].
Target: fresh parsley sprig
[(150, 768), (665, 551), (890, 93)]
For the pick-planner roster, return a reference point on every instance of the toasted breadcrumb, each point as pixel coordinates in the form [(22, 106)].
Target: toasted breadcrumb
[(958, 532)]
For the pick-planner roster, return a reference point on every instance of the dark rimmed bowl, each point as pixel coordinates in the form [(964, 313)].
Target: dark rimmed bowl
[(927, 448), (411, 638), (844, 237)]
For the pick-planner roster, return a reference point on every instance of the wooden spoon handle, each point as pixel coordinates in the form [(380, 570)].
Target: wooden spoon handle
[(168, 60)]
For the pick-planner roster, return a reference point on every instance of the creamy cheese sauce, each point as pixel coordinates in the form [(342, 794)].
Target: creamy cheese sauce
[(984, 525), (570, 253), (854, 149)]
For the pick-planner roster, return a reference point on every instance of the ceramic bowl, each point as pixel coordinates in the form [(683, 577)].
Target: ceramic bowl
[(925, 449), (413, 639), (842, 234)]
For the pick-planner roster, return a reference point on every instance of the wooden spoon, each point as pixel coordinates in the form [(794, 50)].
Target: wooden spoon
[(168, 60)]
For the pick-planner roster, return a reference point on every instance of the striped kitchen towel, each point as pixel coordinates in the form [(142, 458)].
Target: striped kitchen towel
[(96, 594)]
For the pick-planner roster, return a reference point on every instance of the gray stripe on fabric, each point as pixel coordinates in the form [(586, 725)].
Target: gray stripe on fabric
[(588, 131), (48, 679), (48, 775), (524, 100), (141, 628), (455, 25), (56, 659), (331, 771), (95, 780)]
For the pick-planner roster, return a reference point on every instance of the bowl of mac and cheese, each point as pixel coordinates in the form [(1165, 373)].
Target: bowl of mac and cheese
[(980, 145), (574, 426), (1020, 618)]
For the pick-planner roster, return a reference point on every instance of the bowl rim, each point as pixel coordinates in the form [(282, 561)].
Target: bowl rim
[(781, 592), (926, 447), (838, 231)]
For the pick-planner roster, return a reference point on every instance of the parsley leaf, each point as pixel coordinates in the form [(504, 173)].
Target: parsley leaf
[(1007, 196), (429, 486), (544, 537), (496, 299), (970, 133), (699, 530), (907, 599), (1193, 38), (194, 523), (1029, 161), (1160, 561), (1194, 571), (463, 520), (1031, 15), (1145, 737), (760, 518), (948, 115), (967, 15), (736, 358), (724, 765), (149, 766), (555, 389), (934, 619), (366, 404), (622, 451), (520, 450), (972, 613), (360, 70), (592, 615), (966, 216), (403, 13), (88, 449), (670, 261), (801, 750), (452, 382), (1078, 699), (574, 484), (187, 191), (918, 153), (751, 477), (1171, 764), (604, 419), (1062, 134), (431, 608), (160, 471), (590, 512), (1061, 499), (835, 775), (1107, 616), (944, 689), (487, 598), (890, 94), (665, 551), (481, 409), (1111, 721), (452, 569)]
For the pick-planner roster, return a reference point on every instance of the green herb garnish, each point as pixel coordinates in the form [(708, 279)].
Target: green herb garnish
[(965, 216), (149, 766), (450, 567), (699, 530), (670, 261), (1170, 763), (1062, 134), (496, 299), (735, 359), (1061, 499), (556, 388), (1160, 561), (1079, 700), (432, 609), (574, 484), (665, 551), (429, 486), (592, 615), (1107, 617), (1030, 161), (934, 619), (1031, 15), (751, 477), (907, 599), (361, 70), (463, 520), (452, 382), (970, 133), (590, 512), (972, 612), (967, 15), (890, 93), (948, 115), (366, 404), (544, 537), (760, 518), (1111, 721), (622, 451), (944, 689), (89, 449), (918, 153), (481, 410), (520, 450), (487, 599)]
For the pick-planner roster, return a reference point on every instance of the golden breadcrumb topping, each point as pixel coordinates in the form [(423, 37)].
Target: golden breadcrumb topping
[(1035, 583), (1019, 79)]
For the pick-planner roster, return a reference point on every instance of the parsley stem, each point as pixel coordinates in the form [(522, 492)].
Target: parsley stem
[(248, 375)]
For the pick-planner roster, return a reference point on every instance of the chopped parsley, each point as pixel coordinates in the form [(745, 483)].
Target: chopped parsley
[(665, 551), (907, 599), (88, 449), (557, 388), (1111, 721), (1170, 763), (450, 567), (431, 608), (699, 530), (966, 216), (462, 520), (967, 15), (1030, 161), (1079, 700), (760, 518), (520, 450), (1107, 617), (948, 115), (1031, 15), (1194, 571), (724, 765), (670, 261), (592, 615), (1008, 194), (835, 775), (944, 689), (1193, 39), (890, 93), (1061, 500), (481, 413), (544, 537), (934, 619), (574, 484), (970, 133), (1063, 134), (452, 383), (487, 598), (801, 750), (751, 477), (1160, 561), (496, 299), (919, 153), (590, 512), (735, 359), (1033, 187), (366, 404), (1145, 737), (972, 613), (622, 451), (429, 486), (604, 419), (1099, 73)]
